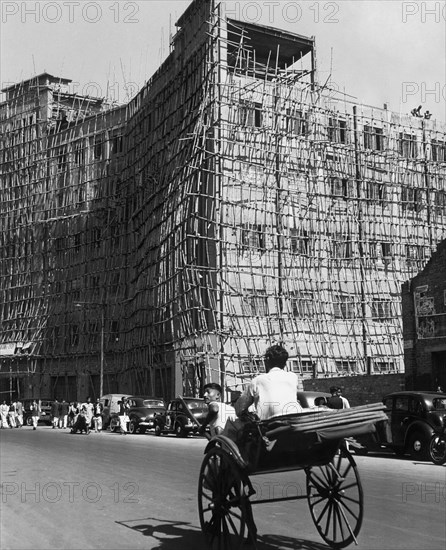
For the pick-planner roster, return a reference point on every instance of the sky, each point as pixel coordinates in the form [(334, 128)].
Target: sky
[(379, 51)]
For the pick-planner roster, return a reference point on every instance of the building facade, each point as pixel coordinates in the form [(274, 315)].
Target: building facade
[(424, 324), (233, 203)]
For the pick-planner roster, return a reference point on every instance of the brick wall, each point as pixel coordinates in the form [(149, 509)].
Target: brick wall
[(359, 390)]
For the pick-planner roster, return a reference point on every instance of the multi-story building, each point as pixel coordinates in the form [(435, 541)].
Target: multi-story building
[(234, 202)]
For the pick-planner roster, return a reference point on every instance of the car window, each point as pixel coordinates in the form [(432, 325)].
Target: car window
[(153, 403), (401, 403), (195, 405), (416, 406), (388, 403), (439, 403), (106, 402)]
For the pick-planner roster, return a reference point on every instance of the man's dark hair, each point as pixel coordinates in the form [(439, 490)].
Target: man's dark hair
[(333, 389), (214, 386), (276, 356)]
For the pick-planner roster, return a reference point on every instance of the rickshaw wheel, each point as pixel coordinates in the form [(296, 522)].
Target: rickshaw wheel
[(336, 499), (222, 504)]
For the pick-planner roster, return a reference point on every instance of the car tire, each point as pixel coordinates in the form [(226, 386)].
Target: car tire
[(142, 431), (29, 421), (437, 449), (157, 429), (418, 446), (132, 427), (179, 431)]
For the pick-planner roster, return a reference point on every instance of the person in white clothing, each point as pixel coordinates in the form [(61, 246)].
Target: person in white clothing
[(218, 412), (4, 410), (273, 393)]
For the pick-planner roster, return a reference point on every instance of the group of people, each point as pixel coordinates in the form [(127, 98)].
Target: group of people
[(268, 395), (11, 416)]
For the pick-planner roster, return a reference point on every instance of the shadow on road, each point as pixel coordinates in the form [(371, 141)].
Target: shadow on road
[(181, 535)]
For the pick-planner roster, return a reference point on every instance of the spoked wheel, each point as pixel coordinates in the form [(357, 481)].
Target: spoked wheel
[(336, 499), (222, 504)]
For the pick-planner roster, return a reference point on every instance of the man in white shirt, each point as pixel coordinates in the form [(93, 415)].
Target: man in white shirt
[(219, 412), (273, 393)]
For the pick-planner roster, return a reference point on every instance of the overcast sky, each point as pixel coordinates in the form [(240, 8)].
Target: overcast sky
[(382, 51)]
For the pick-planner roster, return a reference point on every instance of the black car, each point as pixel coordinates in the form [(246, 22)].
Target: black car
[(45, 411), (416, 426), (143, 411), (182, 417)]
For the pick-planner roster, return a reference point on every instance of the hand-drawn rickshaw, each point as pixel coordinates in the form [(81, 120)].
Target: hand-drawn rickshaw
[(309, 441)]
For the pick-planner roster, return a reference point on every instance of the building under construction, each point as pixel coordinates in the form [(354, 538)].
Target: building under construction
[(235, 202)]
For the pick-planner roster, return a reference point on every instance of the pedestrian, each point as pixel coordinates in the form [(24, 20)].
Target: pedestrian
[(335, 401), (97, 418), (88, 407), (35, 413), (63, 414), (55, 413), (19, 413), (4, 410), (123, 415), (345, 403), (72, 412), (11, 414)]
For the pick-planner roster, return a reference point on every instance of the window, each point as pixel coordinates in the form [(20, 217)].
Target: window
[(61, 159), (438, 151), (407, 145), (337, 130), (386, 250), (381, 309), (250, 114), (373, 138), (345, 307), (253, 367), (411, 198), (383, 367), (401, 404), (414, 254), (79, 153), (257, 304), (303, 305), (341, 246), (253, 236), (116, 145), (97, 150), (74, 335), (296, 122), (346, 367), (375, 191), (341, 187), (300, 242), (93, 333)]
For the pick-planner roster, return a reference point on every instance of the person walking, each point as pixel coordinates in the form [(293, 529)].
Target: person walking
[(88, 407), (35, 415), (63, 416), (11, 414), (334, 402), (4, 410), (55, 413), (97, 418), (123, 415), (19, 413)]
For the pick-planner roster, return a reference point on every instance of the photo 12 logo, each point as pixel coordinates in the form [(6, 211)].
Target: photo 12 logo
[(288, 12), (424, 12), (422, 92), (71, 12), (70, 491)]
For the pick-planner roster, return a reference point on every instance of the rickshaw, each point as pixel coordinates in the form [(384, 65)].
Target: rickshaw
[(313, 441)]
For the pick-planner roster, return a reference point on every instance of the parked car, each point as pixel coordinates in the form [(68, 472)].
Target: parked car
[(110, 404), (142, 413), (417, 426), (45, 411), (182, 417)]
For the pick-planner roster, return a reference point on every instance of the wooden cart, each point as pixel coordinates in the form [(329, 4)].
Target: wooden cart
[(311, 441)]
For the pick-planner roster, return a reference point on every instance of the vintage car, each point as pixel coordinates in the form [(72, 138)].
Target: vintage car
[(417, 426), (183, 416), (110, 407), (143, 411), (310, 399), (45, 411)]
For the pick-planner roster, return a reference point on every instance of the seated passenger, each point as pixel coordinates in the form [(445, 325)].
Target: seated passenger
[(273, 393)]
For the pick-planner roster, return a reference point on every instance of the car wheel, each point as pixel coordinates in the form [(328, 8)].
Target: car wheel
[(142, 430), (437, 449), (157, 429), (179, 431), (418, 446), (29, 421), (133, 427)]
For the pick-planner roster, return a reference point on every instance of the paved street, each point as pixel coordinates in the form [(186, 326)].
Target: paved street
[(140, 491)]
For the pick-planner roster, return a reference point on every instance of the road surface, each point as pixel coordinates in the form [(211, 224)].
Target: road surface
[(107, 491)]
